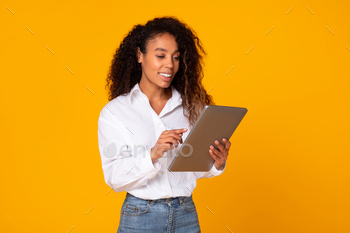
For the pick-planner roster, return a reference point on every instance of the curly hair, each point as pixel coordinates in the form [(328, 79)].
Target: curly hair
[(125, 71)]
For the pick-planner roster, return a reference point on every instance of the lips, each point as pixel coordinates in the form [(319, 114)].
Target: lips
[(165, 78)]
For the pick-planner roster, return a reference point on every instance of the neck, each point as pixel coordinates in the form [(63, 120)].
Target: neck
[(154, 92)]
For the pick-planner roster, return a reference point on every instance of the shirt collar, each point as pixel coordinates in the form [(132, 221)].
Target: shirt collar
[(135, 88), (175, 99)]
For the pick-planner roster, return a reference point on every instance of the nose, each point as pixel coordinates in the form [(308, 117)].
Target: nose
[(169, 62)]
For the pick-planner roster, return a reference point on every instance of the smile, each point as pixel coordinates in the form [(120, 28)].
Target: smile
[(166, 75), (166, 78)]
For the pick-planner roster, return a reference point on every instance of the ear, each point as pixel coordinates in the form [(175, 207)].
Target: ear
[(139, 55)]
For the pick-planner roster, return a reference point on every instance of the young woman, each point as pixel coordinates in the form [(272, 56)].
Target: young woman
[(155, 97)]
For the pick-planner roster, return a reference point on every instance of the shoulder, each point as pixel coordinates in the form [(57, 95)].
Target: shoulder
[(114, 107)]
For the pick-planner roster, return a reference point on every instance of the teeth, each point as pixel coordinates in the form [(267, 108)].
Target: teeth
[(165, 75)]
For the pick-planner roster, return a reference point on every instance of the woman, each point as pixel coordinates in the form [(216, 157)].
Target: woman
[(155, 95)]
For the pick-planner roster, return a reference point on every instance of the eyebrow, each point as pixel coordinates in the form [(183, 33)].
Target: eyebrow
[(161, 49)]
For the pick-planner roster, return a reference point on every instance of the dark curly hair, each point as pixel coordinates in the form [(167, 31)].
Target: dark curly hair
[(125, 71)]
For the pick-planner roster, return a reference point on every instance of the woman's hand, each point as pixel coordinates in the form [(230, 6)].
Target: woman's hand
[(166, 141), (220, 155)]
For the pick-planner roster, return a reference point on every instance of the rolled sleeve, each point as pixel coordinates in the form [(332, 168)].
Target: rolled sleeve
[(217, 172), (211, 173)]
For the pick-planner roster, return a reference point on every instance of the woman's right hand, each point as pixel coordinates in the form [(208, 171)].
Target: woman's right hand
[(166, 141)]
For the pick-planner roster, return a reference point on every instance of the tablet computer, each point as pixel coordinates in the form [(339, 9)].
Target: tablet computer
[(214, 123)]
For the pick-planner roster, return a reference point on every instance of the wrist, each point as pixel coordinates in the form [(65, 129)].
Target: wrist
[(221, 167), (152, 156)]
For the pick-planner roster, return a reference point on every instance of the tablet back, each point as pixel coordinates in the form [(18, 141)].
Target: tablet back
[(214, 122)]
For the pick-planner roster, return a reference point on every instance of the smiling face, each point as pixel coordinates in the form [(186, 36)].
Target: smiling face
[(162, 57)]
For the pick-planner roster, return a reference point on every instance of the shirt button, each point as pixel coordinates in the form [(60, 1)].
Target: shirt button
[(162, 172)]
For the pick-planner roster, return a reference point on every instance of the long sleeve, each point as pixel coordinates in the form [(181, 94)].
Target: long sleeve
[(123, 168), (211, 173)]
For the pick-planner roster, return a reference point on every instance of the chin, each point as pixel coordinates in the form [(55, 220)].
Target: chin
[(165, 84)]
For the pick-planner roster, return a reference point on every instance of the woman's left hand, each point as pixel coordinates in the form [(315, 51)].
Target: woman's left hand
[(220, 156)]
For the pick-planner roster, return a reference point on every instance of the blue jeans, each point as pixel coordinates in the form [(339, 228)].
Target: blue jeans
[(167, 215)]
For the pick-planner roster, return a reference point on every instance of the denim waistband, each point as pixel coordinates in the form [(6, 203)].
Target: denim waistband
[(167, 201)]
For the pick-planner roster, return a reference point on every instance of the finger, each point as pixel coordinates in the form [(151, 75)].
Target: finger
[(178, 136), (177, 131), (217, 152), (175, 143), (214, 150), (215, 157), (227, 143), (220, 157), (170, 145), (172, 137), (221, 147)]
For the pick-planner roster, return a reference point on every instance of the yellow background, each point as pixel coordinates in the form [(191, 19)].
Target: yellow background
[(288, 167)]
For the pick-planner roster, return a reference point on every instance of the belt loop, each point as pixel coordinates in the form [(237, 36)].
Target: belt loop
[(151, 202), (181, 200)]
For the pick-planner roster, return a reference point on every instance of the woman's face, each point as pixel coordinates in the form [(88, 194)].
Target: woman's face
[(161, 62)]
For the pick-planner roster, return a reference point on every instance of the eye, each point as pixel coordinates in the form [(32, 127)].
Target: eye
[(176, 58)]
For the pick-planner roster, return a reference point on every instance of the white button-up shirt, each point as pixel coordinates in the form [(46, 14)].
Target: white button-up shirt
[(128, 128)]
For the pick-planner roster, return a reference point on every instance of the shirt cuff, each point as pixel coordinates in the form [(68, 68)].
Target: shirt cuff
[(217, 172), (150, 168)]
